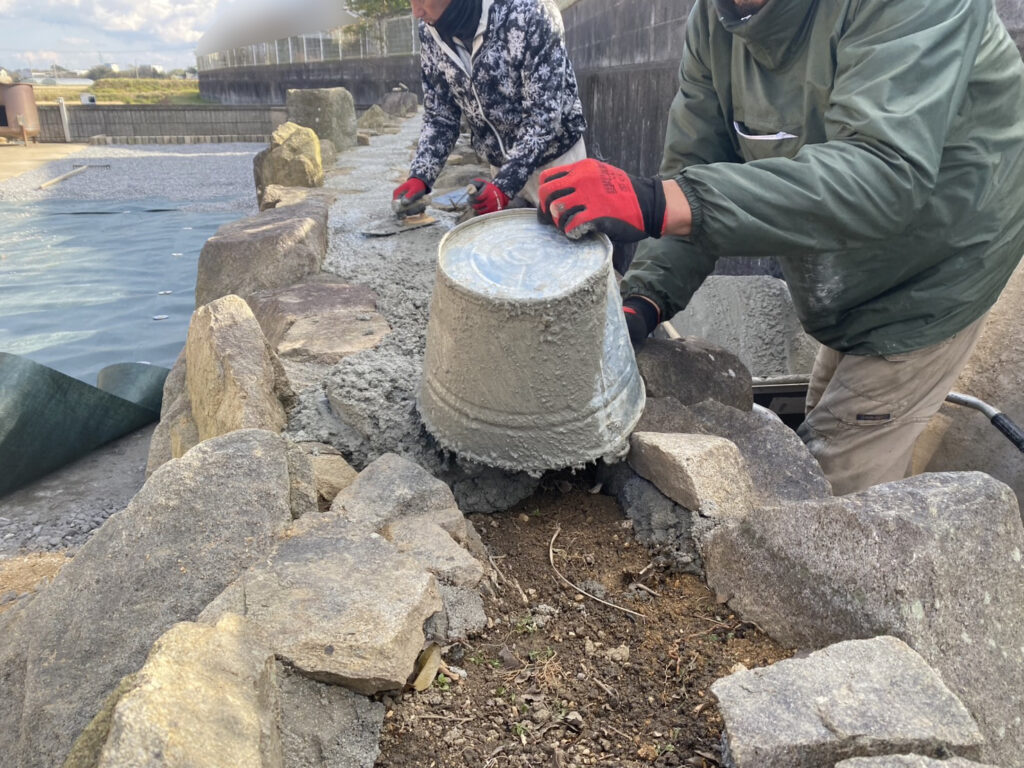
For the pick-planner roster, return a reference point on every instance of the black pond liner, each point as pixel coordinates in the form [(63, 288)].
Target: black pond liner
[(49, 419)]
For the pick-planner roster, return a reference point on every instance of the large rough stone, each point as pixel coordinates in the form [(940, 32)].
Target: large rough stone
[(400, 103), (195, 526), (338, 604), (302, 490), (207, 696), (331, 112), (328, 154), (702, 473), (374, 119), (326, 725), (852, 699), (177, 431), (753, 317), (908, 761), (390, 488), (935, 560), (331, 473), (276, 196), (779, 463), (691, 370), (274, 249), (435, 550), (85, 752), (234, 379), (320, 322), (292, 160), (960, 438), (666, 414), (780, 466)]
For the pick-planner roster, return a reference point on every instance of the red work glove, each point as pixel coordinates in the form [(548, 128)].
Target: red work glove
[(589, 195), (488, 198), (411, 191)]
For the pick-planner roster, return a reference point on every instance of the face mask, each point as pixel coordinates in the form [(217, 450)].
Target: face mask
[(460, 20)]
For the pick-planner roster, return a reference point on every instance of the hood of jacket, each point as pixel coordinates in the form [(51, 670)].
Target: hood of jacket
[(773, 33)]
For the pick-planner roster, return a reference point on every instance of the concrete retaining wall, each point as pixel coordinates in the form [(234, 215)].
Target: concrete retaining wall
[(366, 79), (626, 56), (86, 122)]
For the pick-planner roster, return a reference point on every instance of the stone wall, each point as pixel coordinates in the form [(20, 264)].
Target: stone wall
[(131, 121)]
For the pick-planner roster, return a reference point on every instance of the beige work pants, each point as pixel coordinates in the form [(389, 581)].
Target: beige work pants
[(865, 413)]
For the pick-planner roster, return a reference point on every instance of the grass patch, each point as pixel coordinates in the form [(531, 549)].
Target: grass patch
[(124, 90)]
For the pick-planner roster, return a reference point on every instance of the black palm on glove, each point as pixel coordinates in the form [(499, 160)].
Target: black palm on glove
[(642, 317)]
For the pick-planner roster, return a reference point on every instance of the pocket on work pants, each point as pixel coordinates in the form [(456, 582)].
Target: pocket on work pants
[(863, 428)]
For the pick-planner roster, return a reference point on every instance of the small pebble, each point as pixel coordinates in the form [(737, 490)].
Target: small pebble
[(159, 317)]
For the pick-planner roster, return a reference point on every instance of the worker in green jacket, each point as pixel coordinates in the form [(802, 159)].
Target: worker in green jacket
[(876, 148)]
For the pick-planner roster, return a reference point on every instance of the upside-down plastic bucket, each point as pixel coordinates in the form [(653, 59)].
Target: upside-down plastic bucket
[(528, 363)]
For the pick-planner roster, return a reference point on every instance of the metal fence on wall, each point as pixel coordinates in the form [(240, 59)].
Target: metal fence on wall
[(387, 37)]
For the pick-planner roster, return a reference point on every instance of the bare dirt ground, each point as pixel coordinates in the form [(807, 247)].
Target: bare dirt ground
[(563, 680)]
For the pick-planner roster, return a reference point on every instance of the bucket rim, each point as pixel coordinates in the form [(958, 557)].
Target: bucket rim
[(605, 269)]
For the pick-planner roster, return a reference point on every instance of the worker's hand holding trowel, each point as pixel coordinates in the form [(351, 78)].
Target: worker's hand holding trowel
[(486, 197), (407, 199), (409, 205)]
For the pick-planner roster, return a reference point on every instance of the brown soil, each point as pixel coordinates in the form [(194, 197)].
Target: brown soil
[(20, 576), (562, 680)]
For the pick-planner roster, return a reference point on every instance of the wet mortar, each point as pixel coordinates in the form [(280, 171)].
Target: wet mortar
[(366, 405)]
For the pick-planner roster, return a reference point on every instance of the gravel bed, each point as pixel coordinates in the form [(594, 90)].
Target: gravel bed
[(212, 176)]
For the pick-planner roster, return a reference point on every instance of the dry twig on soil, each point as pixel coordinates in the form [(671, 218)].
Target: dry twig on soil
[(551, 559)]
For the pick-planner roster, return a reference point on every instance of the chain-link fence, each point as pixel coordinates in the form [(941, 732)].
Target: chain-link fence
[(384, 37)]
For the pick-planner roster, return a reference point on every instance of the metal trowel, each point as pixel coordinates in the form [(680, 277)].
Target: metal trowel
[(406, 217)]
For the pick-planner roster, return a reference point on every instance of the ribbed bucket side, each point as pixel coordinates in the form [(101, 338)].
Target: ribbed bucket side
[(530, 384)]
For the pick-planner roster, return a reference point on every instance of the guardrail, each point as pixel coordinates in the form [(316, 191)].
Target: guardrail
[(372, 39)]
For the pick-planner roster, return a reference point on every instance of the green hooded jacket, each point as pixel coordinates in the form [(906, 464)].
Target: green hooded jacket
[(875, 147)]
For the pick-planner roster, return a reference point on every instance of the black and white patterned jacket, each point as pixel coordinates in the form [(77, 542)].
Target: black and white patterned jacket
[(520, 96)]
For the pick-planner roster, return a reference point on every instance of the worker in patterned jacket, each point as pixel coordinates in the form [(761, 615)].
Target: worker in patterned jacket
[(503, 66), (876, 147)]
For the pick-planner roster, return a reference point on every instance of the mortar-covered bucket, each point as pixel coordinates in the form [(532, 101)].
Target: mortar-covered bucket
[(528, 363)]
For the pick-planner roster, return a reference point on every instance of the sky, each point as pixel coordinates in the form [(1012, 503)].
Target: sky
[(79, 34)]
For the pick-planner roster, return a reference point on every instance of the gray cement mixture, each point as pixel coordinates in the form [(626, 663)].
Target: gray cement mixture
[(366, 406)]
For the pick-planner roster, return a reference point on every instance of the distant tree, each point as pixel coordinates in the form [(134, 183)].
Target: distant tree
[(100, 71), (378, 9), (149, 71)]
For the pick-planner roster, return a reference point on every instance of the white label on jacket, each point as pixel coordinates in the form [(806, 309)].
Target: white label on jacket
[(742, 131)]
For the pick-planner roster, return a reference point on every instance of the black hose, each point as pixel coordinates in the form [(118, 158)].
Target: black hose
[(999, 420), (1011, 430)]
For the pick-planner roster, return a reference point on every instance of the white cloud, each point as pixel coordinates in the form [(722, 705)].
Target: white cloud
[(157, 30)]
